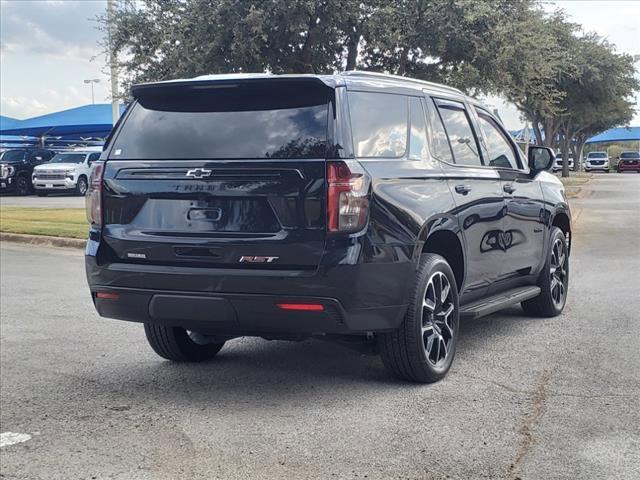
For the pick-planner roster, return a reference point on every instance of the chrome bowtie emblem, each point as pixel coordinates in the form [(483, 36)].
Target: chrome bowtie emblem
[(198, 173)]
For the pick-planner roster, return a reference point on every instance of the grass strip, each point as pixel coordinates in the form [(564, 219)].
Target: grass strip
[(56, 222)]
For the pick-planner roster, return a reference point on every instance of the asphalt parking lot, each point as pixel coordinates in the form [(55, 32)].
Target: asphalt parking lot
[(526, 398)]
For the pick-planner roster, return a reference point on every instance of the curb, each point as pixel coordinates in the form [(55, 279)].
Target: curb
[(64, 242)]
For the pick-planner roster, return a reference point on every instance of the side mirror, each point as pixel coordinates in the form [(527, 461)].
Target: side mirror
[(540, 158)]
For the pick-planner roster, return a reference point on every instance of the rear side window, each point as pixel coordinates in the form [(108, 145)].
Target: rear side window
[(235, 122), (458, 127), (379, 124)]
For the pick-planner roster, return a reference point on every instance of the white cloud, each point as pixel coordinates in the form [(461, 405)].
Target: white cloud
[(22, 107)]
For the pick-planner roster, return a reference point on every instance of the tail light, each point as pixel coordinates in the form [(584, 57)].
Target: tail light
[(93, 200), (347, 196)]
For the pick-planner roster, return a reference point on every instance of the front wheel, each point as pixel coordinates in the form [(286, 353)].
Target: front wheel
[(553, 281), (180, 345), (422, 349), (81, 186), (22, 185)]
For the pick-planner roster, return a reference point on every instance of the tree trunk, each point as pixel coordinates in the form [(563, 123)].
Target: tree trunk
[(537, 132), (402, 66), (565, 145), (305, 64), (352, 48)]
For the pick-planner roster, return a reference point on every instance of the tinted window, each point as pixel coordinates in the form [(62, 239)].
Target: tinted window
[(379, 124), (499, 148), (418, 132), (597, 155), (439, 142), (68, 158), (93, 157), (463, 143), (12, 155), (244, 123), (633, 155)]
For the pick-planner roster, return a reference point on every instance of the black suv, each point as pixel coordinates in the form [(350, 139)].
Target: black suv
[(16, 167), (352, 206)]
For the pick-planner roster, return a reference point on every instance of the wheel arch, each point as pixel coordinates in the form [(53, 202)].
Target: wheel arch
[(562, 220), (447, 244)]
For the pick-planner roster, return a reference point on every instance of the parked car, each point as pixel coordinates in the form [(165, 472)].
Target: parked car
[(597, 161), (16, 166), (557, 165), (357, 206), (66, 172), (629, 162)]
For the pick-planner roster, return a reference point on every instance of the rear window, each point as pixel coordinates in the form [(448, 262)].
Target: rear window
[(68, 158), (227, 122), (632, 155), (597, 155)]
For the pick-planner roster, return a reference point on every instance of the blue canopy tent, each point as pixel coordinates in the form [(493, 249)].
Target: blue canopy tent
[(89, 124), (620, 134)]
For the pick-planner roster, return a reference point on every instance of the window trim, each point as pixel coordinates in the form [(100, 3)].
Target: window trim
[(409, 125), (480, 111), (462, 106)]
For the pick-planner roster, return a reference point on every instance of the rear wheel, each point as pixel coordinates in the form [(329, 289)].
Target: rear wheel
[(554, 280), (422, 349), (180, 345)]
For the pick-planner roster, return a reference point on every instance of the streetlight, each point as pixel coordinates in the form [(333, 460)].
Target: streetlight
[(92, 81)]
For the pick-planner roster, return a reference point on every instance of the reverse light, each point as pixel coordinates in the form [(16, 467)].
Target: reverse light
[(305, 307), (93, 200), (347, 196)]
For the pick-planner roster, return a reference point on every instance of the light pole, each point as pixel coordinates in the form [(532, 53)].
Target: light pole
[(92, 81)]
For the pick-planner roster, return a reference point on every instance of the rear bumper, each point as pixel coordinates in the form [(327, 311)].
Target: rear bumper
[(242, 314), (356, 298)]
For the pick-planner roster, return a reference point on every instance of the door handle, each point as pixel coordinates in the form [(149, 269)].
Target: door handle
[(509, 188), (463, 189)]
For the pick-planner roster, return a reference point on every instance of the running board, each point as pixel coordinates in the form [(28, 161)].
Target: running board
[(487, 306)]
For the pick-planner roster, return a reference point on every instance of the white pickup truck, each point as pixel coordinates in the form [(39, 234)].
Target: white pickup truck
[(67, 171)]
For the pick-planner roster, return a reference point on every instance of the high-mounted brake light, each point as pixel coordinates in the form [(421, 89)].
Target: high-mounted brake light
[(93, 200), (306, 307), (347, 196)]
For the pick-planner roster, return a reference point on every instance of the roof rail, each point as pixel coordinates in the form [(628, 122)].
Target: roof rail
[(388, 76)]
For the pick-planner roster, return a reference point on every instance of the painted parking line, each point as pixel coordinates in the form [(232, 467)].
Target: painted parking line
[(10, 438)]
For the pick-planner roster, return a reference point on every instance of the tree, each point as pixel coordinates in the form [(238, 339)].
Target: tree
[(598, 96)]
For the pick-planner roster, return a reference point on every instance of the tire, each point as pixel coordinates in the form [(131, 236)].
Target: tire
[(553, 281), (81, 186), (428, 322), (22, 186), (176, 344)]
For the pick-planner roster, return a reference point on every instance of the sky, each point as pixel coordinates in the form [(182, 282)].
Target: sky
[(49, 47)]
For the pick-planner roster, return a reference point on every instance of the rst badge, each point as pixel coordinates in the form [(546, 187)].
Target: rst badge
[(254, 259)]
